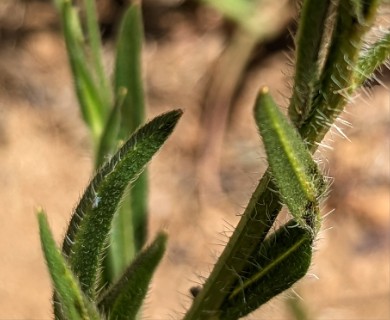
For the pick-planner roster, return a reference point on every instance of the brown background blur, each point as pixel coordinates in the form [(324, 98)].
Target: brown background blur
[(46, 159)]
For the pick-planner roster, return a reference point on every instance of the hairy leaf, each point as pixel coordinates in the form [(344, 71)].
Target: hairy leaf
[(296, 174), (124, 299), (73, 304), (109, 139), (373, 58), (310, 35), (88, 230), (338, 74), (283, 258), (129, 228)]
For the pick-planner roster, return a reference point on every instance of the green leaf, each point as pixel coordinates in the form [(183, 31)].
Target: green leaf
[(253, 17), (109, 139), (128, 70), (296, 174), (74, 305), (309, 37), (94, 41), (87, 233), (283, 258), (372, 58), (129, 228), (239, 11), (338, 74), (124, 299), (251, 230), (92, 107)]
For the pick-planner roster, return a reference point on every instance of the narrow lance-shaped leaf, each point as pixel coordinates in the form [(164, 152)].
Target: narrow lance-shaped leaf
[(109, 139), (124, 299), (129, 228), (258, 217), (337, 79), (73, 304), (128, 70), (94, 41), (308, 44), (91, 105), (283, 258), (88, 230), (374, 57), (296, 174)]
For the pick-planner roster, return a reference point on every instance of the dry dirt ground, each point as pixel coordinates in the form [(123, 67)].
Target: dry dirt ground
[(45, 159)]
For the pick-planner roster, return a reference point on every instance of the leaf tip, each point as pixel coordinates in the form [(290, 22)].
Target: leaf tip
[(263, 101), (172, 117), (264, 90), (39, 210), (41, 216), (178, 112), (162, 237)]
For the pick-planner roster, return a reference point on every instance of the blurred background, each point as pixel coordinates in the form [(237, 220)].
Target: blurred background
[(209, 58)]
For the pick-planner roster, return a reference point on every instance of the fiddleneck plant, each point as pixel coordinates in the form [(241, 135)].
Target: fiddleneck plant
[(256, 264)]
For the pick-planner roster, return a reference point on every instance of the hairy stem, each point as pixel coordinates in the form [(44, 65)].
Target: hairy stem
[(264, 205)]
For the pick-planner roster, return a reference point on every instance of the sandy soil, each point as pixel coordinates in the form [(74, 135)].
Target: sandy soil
[(45, 158)]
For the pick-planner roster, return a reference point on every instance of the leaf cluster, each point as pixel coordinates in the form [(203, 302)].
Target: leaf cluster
[(327, 73), (76, 270), (256, 264), (112, 110)]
